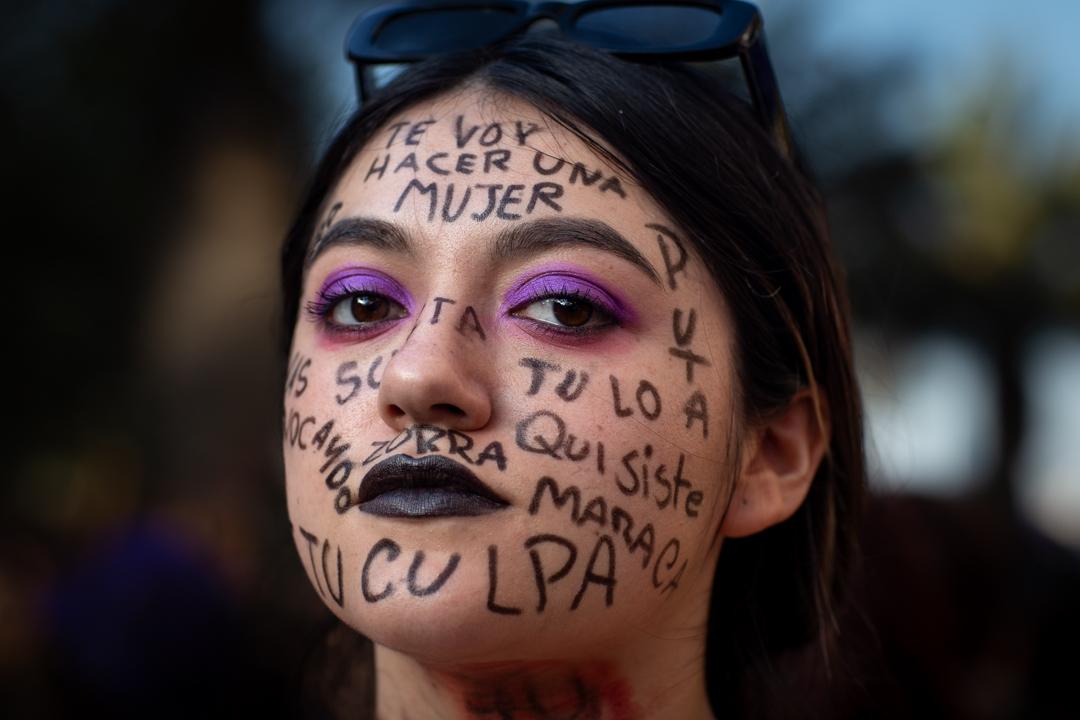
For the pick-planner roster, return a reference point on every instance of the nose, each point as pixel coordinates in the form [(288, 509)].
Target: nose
[(438, 378)]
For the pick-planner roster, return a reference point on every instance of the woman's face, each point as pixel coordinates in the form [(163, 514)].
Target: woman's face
[(508, 414)]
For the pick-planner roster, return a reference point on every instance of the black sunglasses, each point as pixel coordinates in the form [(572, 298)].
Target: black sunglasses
[(636, 30)]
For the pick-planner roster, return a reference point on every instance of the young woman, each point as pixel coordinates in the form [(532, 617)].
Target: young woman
[(570, 423)]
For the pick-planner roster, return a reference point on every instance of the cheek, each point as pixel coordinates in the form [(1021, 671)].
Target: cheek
[(330, 405), (627, 464)]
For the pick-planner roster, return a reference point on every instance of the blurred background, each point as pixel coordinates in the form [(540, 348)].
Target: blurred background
[(155, 155)]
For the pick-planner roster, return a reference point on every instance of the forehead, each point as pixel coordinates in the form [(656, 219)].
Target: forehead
[(462, 167)]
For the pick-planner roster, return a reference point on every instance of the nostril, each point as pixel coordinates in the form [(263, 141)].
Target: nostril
[(449, 409), (395, 412)]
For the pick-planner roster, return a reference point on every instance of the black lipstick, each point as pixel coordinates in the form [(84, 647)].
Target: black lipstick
[(431, 486)]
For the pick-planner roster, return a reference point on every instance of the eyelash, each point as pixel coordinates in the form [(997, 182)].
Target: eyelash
[(321, 309), (608, 317)]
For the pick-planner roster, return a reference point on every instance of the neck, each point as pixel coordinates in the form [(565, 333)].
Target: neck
[(639, 683)]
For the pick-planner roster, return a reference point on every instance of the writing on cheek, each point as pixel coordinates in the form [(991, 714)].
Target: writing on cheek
[(413, 580), (300, 432), (599, 570), (673, 252), (350, 376), (646, 395), (544, 432), (297, 381), (334, 581), (684, 335), (569, 388), (696, 410), (684, 326), (607, 516)]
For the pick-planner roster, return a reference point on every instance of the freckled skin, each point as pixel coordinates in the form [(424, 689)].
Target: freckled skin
[(614, 594)]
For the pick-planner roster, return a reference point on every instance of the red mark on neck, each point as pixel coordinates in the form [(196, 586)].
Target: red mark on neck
[(542, 690)]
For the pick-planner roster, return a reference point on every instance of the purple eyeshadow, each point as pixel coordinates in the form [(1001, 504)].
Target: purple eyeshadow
[(349, 280), (559, 279)]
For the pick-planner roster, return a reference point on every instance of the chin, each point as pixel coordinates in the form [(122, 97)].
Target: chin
[(451, 628)]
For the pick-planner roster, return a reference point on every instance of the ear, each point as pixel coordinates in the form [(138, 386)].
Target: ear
[(780, 459)]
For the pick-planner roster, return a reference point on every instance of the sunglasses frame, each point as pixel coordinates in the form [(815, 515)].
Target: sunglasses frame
[(740, 34)]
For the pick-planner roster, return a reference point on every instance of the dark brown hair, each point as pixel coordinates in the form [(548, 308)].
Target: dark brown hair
[(759, 226)]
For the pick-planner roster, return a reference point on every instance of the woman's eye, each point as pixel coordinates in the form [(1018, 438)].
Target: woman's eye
[(568, 312), (364, 309)]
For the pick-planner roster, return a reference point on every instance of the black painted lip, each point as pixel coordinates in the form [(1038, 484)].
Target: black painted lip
[(431, 486)]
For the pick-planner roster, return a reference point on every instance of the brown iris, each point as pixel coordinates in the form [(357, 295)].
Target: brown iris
[(570, 312), (369, 308)]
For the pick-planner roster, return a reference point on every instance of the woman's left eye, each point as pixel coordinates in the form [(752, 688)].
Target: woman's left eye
[(364, 308), (565, 312)]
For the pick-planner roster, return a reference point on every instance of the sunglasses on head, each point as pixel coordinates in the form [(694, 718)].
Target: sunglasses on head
[(635, 30)]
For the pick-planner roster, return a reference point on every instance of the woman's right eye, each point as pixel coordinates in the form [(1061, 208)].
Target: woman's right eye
[(364, 308)]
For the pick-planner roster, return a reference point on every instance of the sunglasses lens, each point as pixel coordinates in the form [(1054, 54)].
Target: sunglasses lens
[(648, 27), (434, 31)]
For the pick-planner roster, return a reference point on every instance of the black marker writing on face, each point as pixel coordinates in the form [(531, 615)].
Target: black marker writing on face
[(391, 550), (346, 377), (567, 390), (691, 358), (492, 134), (312, 542), (599, 570), (499, 199), (297, 376), (647, 396), (327, 222), (469, 322), (441, 164), (427, 439), (412, 136), (544, 432), (696, 409), (549, 165), (493, 580), (417, 590), (665, 492), (684, 335), (543, 580), (337, 467), (671, 551), (295, 428), (619, 520), (539, 369), (673, 252), (592, 576), (438, 308)]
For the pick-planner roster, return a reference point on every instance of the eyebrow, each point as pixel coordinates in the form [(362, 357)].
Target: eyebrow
[(355, 231), (537, 236), (528, 238)]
